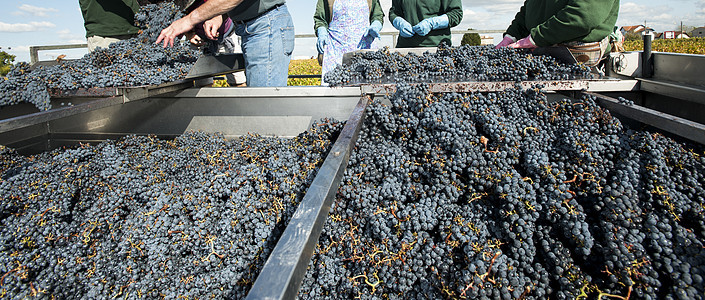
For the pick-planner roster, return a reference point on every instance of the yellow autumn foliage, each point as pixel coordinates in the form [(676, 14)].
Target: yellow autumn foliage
[(688, 46)]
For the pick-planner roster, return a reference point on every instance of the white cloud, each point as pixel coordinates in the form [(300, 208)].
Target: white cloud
[(701, 11), (25, 27), (630, 8), (21, 48), (506, 8), (21, 53), (660, 17), (35, 10), (664, 18), (497, 6), (70, 37), (483, 20)]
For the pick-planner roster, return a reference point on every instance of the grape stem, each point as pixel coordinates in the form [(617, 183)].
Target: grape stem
[(483, 276), (8, 273)]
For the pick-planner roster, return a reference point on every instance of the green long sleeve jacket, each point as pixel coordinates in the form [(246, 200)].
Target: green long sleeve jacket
[(413, 11), (109, 17), (551, 22), (324, 9)]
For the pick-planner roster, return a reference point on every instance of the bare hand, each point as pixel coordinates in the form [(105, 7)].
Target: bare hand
[(174, 31), (195, 39), (211, 27)]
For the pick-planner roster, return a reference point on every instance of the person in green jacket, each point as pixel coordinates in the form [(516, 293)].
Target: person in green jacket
[(344, 26), (584, 26), (425, 23), (108, 21)]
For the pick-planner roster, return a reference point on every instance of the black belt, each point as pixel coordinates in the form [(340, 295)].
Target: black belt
[(270, 9)]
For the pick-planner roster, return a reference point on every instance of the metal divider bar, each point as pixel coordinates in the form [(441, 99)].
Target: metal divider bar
[(286, 266), (112, 96), (688, 92), (595, 85), (684, 128), (34, 50), (46, 116)]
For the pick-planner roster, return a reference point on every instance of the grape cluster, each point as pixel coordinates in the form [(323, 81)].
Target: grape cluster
[(452, 64), (506, 195), (625, 101), (132, 62), (191, 218)]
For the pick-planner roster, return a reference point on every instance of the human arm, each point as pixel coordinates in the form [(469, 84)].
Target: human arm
[(450, 15), (211, 27), (322, 40), (454, 10), (83, 4), (518, 26), (578, 20), (404, 27), (201, 14), (320, 25), (374, 29), (194, 39), (320, 18), (376, 13), (433, 23), (396, 16), (508, 39), (525, 43), (396, 10)]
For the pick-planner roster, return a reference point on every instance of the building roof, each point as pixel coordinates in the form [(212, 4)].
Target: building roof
[(631, 28), (636, 28)]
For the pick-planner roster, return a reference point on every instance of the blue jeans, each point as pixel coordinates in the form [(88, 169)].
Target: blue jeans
[(267, 44)]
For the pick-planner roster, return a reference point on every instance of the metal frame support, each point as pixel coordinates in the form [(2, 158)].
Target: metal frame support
[(286, 266), (46, 116), (681, 127), (647, 62), (34, 50)]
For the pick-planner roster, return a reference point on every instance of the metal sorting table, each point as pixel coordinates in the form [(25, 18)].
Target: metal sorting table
[(287, 111)]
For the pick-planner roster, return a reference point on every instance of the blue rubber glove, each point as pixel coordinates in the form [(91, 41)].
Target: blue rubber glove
[(428, 24), (322, 39), (403, 26), (374, 29)]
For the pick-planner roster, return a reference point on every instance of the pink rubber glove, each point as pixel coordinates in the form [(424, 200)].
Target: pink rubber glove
[(525, 43), (505, 42)]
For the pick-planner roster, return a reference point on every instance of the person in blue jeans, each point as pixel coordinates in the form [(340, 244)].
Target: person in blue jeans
[(266, 29)]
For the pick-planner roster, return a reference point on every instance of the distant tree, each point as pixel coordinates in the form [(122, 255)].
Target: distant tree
[(6, 60), (472, 39), (686, 28), (633, 36)]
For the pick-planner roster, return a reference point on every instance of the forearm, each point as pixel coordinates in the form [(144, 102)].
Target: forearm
[(454, 11), (395, 11), (203, 13), (574, 21), (319, 16), (210, 9), (376, 14), (517, 28), (318, 24)]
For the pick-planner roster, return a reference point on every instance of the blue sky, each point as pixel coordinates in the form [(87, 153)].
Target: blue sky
[(27, 23)]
